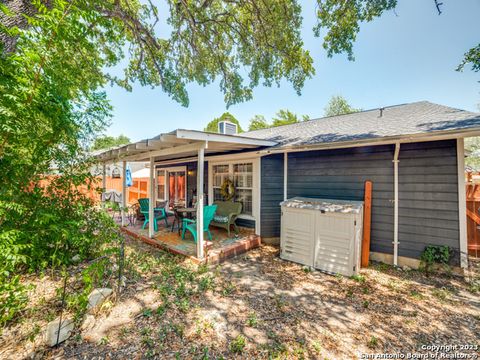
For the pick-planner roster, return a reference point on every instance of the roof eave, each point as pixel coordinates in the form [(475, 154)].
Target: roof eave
[(420, 137)]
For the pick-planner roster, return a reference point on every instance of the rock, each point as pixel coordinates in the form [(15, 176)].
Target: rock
[(406, 268), (76, 258), (52, 332), (97, 298), (88, 322)]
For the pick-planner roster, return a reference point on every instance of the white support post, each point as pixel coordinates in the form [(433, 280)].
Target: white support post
[(285, 175), (462, 204), (124, 191), (395, 203), (200, 174), (151, 205), (104, 183)]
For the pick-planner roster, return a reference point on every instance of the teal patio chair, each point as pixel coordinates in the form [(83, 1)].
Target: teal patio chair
[(158, 213), (191, 225)]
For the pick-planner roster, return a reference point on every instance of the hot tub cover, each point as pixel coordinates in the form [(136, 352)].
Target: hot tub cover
[(324, 205)]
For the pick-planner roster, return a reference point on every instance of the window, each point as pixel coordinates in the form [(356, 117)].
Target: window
[(220, 174), (242, 176)]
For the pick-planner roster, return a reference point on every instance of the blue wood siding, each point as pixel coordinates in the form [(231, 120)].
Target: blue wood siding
[(271, 195), (428, 199)]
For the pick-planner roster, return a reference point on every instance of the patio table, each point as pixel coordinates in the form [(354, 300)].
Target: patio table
[(180, 214)]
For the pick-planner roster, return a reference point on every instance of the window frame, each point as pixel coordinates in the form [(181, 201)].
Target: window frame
[(255, 184)]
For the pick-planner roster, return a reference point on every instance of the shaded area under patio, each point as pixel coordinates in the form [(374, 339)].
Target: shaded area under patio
[(220, 248)]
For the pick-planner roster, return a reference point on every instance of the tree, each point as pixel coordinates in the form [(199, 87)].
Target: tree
[(106, 142), (340, 21), (197, 49), (258, 122), (212, 126), (338, 105), (284, 117), (472, 145)]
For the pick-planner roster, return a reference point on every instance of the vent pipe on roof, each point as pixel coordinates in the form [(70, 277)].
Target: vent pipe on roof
[(381, 111)]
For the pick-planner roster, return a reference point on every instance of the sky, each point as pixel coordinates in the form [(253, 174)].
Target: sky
[(404, 56)]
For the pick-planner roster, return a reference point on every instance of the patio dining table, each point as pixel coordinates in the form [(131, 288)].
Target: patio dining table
[(182, 213)]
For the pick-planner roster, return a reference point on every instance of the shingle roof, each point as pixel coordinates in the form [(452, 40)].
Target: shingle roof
[(396, 121)]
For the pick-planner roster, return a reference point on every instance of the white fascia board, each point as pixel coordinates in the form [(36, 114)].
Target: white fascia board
[(444, 135), (165, 152), (232, 139)]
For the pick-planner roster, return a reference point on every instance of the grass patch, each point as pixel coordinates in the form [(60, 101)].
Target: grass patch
[(358, 278), (372, 342), (442, 294), (238, 344)]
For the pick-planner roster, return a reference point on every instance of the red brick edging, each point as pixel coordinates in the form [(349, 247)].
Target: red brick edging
[(216, 256)]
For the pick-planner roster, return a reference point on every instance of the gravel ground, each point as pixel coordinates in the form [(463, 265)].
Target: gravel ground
[(259, 306)]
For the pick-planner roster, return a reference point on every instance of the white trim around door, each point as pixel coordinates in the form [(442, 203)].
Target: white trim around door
[(168, 170)]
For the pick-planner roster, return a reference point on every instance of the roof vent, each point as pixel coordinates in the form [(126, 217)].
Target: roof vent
[(227, 128), (381, 111)]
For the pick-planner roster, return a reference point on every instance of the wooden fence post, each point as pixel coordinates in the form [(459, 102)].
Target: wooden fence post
[(367, 221)]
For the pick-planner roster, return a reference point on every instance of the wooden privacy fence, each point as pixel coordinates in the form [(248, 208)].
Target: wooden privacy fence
[(473, 219), (138, 189)]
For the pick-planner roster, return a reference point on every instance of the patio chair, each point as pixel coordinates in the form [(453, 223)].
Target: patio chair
[(191, 225), (227, 213), (158, 213)]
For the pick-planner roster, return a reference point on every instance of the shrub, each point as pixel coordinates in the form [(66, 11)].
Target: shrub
[(434, 255), (46, 226)]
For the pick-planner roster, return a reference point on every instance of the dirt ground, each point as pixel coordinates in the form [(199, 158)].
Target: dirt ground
[(259, 306)]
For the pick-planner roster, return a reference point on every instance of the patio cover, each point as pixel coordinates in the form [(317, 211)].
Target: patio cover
[(180, 144), (176, 145)]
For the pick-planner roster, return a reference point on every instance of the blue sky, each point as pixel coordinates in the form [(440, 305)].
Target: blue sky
[(403, 57)]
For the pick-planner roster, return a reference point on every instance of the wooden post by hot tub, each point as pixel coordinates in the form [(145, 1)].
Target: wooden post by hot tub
[(367, 222)]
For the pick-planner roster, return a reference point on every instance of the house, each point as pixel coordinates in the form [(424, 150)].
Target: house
[(413, 153)]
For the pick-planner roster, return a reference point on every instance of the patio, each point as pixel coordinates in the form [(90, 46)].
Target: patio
[(219, 249), (172, 148)]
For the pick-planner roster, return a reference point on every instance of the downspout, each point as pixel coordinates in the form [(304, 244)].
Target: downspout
[(395, 204), (285, 176)]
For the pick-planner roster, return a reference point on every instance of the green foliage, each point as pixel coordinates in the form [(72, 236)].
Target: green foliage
[(358, 278), (373, 342), (238, 344), (339, 21), (13, 296), (471, 57), (258, 122), (283, 117), (338, 105), (212, 126), (472, 145), (433, 254), (204, 42), (106, 142), (252, 320)]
